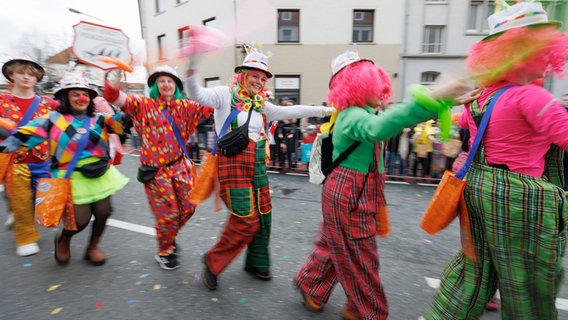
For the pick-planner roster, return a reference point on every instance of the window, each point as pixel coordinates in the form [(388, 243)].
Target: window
[(211, 22), (429, 77), (288, 26), (160, 6), (478, 13), (212, 82), (162, 47), (287, 86), (363, 21), (183, 36), (433, 37)]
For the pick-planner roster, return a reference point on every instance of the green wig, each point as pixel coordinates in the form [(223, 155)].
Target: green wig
[(155, 93)]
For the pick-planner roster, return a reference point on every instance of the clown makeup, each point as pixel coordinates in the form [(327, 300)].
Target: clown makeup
[(78, 100), (166, 87), (254, 81)]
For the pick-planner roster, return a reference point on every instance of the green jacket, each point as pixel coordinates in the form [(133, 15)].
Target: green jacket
[(363, 124)]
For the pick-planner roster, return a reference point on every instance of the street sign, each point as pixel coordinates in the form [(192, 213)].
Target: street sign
[(93, 41)]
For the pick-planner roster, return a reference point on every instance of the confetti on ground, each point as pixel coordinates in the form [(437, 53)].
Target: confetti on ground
[(197, 224), (54, 287), (56, 310), (286, 257), (214, 299), (185, 281), (99, 304), (157, 287), (298, 222), (27, 265), (427, 241), (243, 300), (130, 301), (133, 262), (142, 276), (197, 277), (202, 219), (419, 195)]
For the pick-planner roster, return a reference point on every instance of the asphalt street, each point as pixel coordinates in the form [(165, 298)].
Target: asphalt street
[(132, 286)]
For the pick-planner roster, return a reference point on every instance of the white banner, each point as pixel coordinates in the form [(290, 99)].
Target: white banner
[(93, 41)]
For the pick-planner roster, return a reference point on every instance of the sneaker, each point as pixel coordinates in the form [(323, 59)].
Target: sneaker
[(27, 249), (208, 278), (168, 262), (9, 221), (265, 276)]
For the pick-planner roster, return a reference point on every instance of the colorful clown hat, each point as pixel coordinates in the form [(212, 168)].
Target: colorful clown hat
[(521, 14), (73, 82), (255, 61)]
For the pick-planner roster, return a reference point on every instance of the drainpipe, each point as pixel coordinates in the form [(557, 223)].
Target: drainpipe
[(404, 50)]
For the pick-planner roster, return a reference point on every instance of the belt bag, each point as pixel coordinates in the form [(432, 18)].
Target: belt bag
[(94, 169), (146, 173), (235, 141)]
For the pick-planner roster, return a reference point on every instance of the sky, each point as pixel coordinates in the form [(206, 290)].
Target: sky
[(50, 23)]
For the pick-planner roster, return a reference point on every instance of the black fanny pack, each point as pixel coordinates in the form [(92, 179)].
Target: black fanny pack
[(235, 141), (146, 173), (94, 169)]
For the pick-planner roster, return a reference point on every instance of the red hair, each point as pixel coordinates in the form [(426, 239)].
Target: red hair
[(526, 49), (356, 83)]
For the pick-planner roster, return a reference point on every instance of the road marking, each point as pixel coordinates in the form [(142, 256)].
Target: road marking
[(131, 227), (561, 304)]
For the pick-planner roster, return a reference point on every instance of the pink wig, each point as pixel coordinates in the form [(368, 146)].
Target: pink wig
[(355, 84), (527, 49)]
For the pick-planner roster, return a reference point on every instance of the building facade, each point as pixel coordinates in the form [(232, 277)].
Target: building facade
[(439, 33), (302, 38), (416, 41)]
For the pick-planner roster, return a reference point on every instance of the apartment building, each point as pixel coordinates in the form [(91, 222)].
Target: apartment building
[(439, 33), (416, 41), (302, 37)]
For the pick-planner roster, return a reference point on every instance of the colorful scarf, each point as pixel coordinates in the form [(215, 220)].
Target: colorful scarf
[(241, 100)]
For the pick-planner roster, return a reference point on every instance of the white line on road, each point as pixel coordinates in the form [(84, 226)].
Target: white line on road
[(131, 227), (561, 304)]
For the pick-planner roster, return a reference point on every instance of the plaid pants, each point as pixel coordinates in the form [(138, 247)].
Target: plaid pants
[(519, 230), (345, 250), (246, 193)]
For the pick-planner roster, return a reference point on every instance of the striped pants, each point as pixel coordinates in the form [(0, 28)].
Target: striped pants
[(345, 250), (519, 230)]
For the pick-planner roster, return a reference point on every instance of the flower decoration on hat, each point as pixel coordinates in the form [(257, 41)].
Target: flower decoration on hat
[(255, 60)]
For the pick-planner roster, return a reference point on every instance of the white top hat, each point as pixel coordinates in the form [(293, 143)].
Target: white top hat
[(522, 14), (165, 71), (257, 61)]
